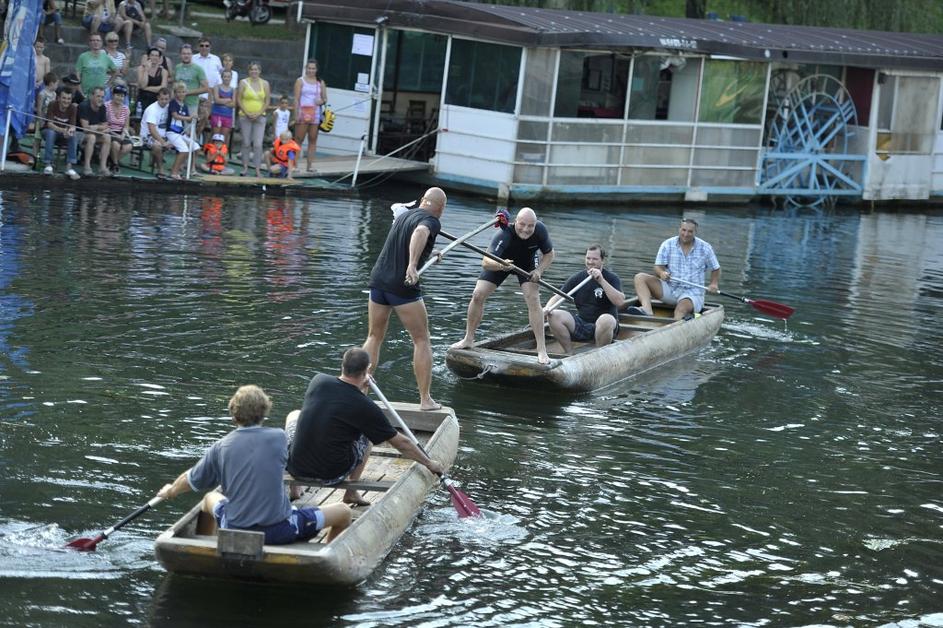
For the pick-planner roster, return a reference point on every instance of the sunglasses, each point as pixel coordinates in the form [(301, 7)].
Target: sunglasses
[(204, 45), (111, 41)]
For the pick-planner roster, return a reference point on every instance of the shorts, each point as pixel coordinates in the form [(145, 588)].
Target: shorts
[(382, 297), (497, 277), (309, 115), (671, 296), (583, 331), (52, 18), (219, 121), (182, 143), (104, 27), (301, 525)]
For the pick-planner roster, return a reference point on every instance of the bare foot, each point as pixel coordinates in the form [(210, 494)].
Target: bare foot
[(543, 358), (462, 344), (355, 499), (430, 405)]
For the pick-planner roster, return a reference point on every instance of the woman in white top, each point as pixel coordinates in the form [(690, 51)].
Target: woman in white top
[(310, 95)]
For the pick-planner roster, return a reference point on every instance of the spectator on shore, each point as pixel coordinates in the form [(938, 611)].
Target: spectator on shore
[(228, 62), (43, 64), (215, 155), (179, 118), (212, 68), (252, 100), (161, 44), (61, 117), (72, 83), (281, 117), (132, 12), (281, 160), (120, 60), (310, 95), (94, 66), (154, 130), (52, 16), (192, 76), (152, 77), (47, 94), (118, 116), (94, 125), (166, 12), (101, 17), (224, 104)]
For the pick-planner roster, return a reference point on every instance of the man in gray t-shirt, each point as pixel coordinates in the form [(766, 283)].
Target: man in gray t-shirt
[(248, 465)]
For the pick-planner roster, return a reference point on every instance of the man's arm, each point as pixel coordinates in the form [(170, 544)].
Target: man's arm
[(615, 296), (715, 280), (178, 486), (545, 260), (662, 272), (417, 242), (409, 449)]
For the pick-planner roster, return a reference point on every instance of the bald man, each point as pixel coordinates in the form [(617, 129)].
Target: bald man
[(394, 287), (518, 244)]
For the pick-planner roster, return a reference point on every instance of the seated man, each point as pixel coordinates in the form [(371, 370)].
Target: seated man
[(93, 121), (281, 159), (248, 464), (154, 129), (685, 257), (60, 124), (330, 438), (597, 304)]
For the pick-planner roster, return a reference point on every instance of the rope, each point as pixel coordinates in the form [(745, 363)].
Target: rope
[(406, 145), (488, 368)]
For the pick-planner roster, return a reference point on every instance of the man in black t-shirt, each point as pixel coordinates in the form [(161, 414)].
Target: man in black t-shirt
[(518, 244), (330, 437), (597, 304), (394, 286), (94, 124)]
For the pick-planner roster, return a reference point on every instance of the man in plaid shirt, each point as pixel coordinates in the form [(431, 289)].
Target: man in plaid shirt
[(684, 257)]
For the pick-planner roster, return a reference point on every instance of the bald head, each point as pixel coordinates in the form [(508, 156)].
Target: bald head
[(434, 201), (525, 223)]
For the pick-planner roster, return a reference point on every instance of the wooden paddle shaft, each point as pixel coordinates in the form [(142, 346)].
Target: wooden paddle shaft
[(516, 269), (697, 285), (455, 243)]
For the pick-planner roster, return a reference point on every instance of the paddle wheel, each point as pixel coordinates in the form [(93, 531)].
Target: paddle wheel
[(807, 159)]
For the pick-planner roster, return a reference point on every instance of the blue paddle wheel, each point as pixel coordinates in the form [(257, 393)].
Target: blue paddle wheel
[(807, 160)]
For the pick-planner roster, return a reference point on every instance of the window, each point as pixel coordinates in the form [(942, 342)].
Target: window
[(732, 92), (907, 108), (483, 75), (538, 81), (664, 88), (331, 45), (591, 85), (415, 62)]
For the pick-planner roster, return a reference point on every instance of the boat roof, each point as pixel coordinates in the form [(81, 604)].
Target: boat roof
[(534, 27)]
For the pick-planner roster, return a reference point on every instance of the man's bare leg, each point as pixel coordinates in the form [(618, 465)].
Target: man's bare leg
[(337, 518), (562, 326), (605, 328), (683, 308), (378, 319), (206, 523), (476, 308), (536, 317), (415, 320), (646, 287), (350, 495)]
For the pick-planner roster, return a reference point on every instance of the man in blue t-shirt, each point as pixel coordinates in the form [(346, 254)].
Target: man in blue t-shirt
[(518, 244), (248, 464), (597, 304), (331, 436)]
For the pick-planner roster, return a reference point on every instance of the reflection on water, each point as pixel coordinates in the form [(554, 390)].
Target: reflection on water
[(785, 475)]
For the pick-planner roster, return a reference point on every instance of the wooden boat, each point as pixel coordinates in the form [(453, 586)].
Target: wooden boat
[(643, 343), (396, 487)]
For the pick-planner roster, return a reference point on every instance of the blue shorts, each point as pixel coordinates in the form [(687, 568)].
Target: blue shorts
[(382, 297), (583, 331), (104, 27), (301, 525)]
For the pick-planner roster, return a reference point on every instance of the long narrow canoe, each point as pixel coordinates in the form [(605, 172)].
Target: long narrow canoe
[(396, 487), (643, 343)]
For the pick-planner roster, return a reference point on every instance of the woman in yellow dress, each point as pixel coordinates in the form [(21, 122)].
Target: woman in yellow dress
[(253, 99)]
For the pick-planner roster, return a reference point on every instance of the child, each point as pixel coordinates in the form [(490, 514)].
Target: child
[(216, 153), (282, 117), (281, 159), (118, 117), (46, 95), (178, 115), (224, 102)]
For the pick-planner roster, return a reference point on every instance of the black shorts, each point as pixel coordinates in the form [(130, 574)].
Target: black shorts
[(582, 331), (497, 277)]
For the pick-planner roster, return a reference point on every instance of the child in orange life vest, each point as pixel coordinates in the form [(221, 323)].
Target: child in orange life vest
[(216, 153), (281, 159)]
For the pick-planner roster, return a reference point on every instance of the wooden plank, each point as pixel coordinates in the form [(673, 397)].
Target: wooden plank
[(355, 485)]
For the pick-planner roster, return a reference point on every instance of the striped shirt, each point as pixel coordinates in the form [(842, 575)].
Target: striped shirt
[(116, 116), (688, 267)]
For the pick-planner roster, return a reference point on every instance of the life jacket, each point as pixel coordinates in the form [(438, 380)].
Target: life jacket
[(281, 149), (216, 157)]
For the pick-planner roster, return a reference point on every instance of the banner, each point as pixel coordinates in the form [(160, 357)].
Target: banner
[(18, 62)]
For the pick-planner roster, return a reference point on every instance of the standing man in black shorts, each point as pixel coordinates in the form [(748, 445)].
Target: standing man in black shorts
[(517, 244), (597, 304), (394, 286)]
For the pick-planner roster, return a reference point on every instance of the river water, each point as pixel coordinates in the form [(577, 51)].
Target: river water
[(786, 475)]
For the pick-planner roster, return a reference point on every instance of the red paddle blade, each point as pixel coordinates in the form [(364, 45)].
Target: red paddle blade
[(462, 503), (86, 545), (772, 308)]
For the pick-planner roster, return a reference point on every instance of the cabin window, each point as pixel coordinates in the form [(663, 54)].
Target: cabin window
[(415, 62), (483, 75), (538, 81), (732, 92), (907, 107), (338, 70), (591, 85), (664, 88)]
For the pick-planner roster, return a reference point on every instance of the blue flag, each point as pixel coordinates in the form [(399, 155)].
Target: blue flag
[(18, 62)]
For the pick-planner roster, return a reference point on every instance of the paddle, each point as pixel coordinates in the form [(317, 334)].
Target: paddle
[(463, 504), (516, 269), (570, 294), (88, 545), (500, 219), (772, 308)]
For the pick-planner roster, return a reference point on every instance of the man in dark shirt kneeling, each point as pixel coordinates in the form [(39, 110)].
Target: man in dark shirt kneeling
[(331, 436)]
